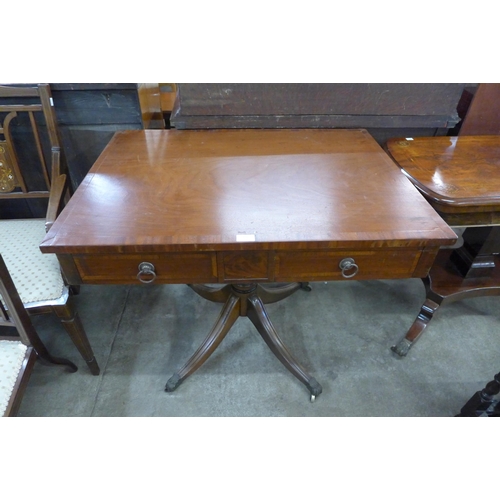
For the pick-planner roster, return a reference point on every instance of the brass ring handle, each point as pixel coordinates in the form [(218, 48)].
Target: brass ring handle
[(146, 269), (349, 268)]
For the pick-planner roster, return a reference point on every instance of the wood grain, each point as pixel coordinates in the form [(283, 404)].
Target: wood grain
[(460, 176), (177, 191)]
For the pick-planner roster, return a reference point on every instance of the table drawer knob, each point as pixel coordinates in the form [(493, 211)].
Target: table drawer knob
[(349, 268), (146, 272)]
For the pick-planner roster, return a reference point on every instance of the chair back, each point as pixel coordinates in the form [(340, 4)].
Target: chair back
[(30, 151)]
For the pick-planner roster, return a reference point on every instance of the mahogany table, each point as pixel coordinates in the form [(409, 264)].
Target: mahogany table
[(460, 178), (259, 211)]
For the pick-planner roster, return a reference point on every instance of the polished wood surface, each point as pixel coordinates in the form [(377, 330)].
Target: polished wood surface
[(181, 191), (151, 105), (457, 175), (245, 208), (168, 93)]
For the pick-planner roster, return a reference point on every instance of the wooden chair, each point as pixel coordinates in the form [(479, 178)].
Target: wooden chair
[(33, 179), (18, 353)]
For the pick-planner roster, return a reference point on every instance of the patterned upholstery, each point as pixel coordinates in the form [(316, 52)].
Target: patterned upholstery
[(36, 276), (12, 354)]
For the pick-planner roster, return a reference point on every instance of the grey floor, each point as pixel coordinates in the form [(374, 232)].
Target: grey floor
[(341, 332)]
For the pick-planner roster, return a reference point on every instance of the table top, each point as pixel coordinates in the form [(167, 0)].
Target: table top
[(196, 190), (456, 171)]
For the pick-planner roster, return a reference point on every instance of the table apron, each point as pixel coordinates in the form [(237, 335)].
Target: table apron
[(248, 266)]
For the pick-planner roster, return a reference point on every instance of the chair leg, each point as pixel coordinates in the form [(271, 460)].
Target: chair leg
[(21, 384), (74, 327)]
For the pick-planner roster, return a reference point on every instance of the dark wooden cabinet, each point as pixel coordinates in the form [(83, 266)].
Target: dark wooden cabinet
[(385, 109)]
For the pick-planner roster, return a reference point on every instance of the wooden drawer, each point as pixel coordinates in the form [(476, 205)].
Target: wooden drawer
[(233, 267), (195, 267), (245, 266), (324, 264)]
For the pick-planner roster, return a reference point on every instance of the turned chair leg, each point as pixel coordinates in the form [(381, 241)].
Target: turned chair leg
[(74, 327)]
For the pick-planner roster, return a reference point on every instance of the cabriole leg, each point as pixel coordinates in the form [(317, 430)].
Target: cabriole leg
[(420, 324)]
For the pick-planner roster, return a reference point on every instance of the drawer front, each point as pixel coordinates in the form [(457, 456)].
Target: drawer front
[(186, 267), (246, 266), (227, 267), (325, 264)]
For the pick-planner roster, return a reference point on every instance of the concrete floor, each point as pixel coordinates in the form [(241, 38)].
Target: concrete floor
[(341, 332)]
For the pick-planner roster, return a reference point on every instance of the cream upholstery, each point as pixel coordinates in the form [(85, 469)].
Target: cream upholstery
[(12, 354), (36, 276)]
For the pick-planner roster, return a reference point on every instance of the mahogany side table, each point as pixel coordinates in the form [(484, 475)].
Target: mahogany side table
[(257, 211), (460, 178)]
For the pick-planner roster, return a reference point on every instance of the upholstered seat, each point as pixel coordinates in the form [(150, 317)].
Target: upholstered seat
[(18, 352), (12, 356), (37, 276)]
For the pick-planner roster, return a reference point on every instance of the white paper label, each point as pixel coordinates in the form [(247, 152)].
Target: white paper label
[(245, 237)]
